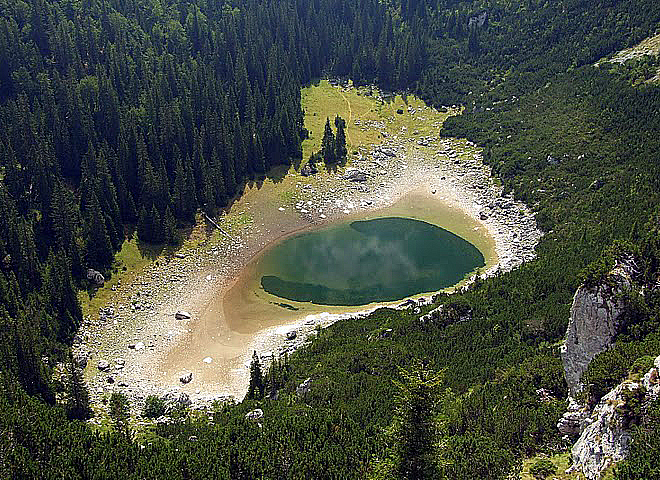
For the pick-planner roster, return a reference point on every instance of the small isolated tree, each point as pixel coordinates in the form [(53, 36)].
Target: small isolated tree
[(77, 405), (119, 413), (257, 387)]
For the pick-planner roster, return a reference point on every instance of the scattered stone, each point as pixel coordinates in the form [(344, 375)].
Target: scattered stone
[(291, 335), (139, 346), (255, 414), (207, 360), (186, 378), (174, 400), (182, 315), (304, 387), (103, 365), (110, 380), (179, 255)]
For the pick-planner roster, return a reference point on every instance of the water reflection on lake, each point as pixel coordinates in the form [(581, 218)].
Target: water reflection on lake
[(368, 261)]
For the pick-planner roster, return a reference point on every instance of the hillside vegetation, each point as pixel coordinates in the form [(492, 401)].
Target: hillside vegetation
[(130, 114)]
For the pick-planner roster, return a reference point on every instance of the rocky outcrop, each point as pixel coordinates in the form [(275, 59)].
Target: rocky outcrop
[(304, 387), (594, 323), (572, 421), (95, 277), (606, 436)]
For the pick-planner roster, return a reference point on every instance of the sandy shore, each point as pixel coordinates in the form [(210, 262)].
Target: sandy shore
[(439, 180)]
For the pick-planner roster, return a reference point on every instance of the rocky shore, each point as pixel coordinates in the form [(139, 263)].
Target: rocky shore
[(123, 346)]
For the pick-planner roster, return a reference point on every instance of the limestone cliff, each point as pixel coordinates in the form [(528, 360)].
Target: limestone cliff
[(594, 322), (606, 437)]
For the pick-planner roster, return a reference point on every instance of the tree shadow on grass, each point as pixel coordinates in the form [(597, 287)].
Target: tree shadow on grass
[(334, 167), (277, 173)]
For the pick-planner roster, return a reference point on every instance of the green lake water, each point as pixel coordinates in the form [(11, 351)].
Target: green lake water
[(367, 261)]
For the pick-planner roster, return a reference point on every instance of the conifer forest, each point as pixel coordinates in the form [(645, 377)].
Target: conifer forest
[(123, 117)]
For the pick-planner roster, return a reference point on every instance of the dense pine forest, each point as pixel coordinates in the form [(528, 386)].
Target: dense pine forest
[(132, 115)]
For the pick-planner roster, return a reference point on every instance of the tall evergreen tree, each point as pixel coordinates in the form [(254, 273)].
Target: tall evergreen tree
[(77, 405), (256, 387), (415, 430), (340, 141), (99, 248), (328, 146)]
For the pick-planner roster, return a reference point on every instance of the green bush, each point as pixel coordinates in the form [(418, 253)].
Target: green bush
[(154, 407), (543, 468), (642, 365)]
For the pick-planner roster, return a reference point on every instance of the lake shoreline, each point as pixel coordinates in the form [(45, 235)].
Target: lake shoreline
[(447, 171)]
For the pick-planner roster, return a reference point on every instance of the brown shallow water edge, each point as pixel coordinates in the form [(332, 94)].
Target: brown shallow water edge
[(235, 321)]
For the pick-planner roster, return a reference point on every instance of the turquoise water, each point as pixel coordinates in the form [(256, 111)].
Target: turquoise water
[(367, 261)]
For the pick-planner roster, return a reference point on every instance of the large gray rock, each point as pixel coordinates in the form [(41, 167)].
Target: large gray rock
[(572, 422), (355, 175), (594, 323), (95, 277), (605, 437)]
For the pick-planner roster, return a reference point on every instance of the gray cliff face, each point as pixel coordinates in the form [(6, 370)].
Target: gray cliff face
[(596, 319), (593, 325), (605, 437)]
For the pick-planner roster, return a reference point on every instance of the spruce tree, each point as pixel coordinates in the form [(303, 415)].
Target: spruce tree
[(415, 431), (158, 232), (340, 142), (171, 234), (99, 248), (144, 226), (257, 387), (119, 413), (77, 405), (328, 144)]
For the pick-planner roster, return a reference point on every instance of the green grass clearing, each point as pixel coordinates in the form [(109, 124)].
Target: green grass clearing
[(129, 262)]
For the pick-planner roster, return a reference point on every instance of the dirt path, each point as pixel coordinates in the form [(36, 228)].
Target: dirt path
[(350, 115)]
